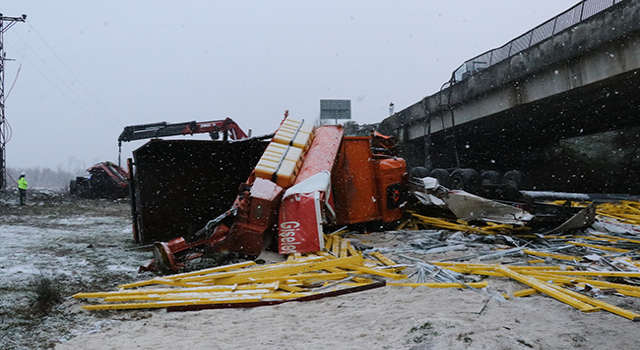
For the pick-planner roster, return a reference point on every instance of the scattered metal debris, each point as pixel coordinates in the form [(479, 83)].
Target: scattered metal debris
[(575, 269)]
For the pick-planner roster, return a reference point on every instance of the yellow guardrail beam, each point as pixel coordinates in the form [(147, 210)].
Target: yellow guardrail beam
[(449, 225), (251, 275), (163, 304), (383, 259), (368, 270), (229, 288), (403, 224), (521, 293), (629, 293), (212, 270), (618, 238), (575, 279), (186, 296), (599, 238), (344, 248), (290, 288), (546, 289), (537, 261), (335, 248), (328, 242), (601, 304), (155, 291), (353, 250), (162, 280), (259, 269)]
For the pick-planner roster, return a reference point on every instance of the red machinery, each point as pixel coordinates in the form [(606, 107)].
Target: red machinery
[(106, 180), (368, 183), (240, 229)]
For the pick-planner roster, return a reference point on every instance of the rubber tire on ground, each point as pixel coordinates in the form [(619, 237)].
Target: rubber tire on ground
[(490, 177), (418, 172), (442, 175), (513, 179), (466, 179)]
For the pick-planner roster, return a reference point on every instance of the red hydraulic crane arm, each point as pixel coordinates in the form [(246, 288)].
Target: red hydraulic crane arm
[(227, 125), (148, 131)]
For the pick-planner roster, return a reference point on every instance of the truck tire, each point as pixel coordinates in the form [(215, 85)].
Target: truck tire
[(418, 173), (512, 179), (466, 179), (490, 177), (442, 175)]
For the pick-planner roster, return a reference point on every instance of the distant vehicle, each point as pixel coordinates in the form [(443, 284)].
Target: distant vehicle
[(105, 180)]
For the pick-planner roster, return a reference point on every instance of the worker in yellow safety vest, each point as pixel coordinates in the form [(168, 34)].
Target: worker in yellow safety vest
[(22, 188)]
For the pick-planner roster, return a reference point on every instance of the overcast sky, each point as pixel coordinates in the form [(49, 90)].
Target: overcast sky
[(89, 68)]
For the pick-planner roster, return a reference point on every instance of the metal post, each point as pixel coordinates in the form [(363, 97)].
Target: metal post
[(3, 125)]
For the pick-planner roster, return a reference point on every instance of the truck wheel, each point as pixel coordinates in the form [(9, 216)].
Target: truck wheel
[(418, 172), (465, 179), (513, 179), (490, 177), (442, 175)]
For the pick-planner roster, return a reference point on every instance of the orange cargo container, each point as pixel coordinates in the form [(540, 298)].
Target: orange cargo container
[(366, 187)]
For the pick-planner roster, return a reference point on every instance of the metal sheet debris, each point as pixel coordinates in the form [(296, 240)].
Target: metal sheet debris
[(468, 207)]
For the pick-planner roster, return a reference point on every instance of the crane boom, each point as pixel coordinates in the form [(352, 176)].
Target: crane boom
[(162, 129), (228, 127)]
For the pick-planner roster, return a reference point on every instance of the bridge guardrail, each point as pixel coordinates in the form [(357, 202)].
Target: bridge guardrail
[(563, 21)]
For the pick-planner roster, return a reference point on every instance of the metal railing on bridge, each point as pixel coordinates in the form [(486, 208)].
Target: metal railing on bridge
[(563, 21)]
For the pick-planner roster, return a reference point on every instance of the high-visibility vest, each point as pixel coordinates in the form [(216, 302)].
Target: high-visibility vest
[(22, 183)]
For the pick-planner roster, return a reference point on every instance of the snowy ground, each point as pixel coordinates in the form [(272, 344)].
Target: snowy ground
[(78, 244), (84, 246)]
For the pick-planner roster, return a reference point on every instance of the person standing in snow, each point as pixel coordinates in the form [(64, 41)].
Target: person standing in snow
[(22, 188)]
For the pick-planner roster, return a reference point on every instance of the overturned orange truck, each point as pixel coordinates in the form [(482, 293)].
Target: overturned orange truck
[(306, 180)]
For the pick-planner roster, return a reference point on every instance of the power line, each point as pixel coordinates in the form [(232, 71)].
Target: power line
[(91, 112), (69, 70), (104, 122)]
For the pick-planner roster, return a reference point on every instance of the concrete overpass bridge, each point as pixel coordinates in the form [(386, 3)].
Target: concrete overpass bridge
[(532, 104)]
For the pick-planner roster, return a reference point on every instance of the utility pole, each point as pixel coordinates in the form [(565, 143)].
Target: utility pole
[(3, 122)]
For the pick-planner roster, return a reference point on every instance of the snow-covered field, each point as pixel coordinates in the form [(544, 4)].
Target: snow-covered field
[(77, 244), (83, 246)]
